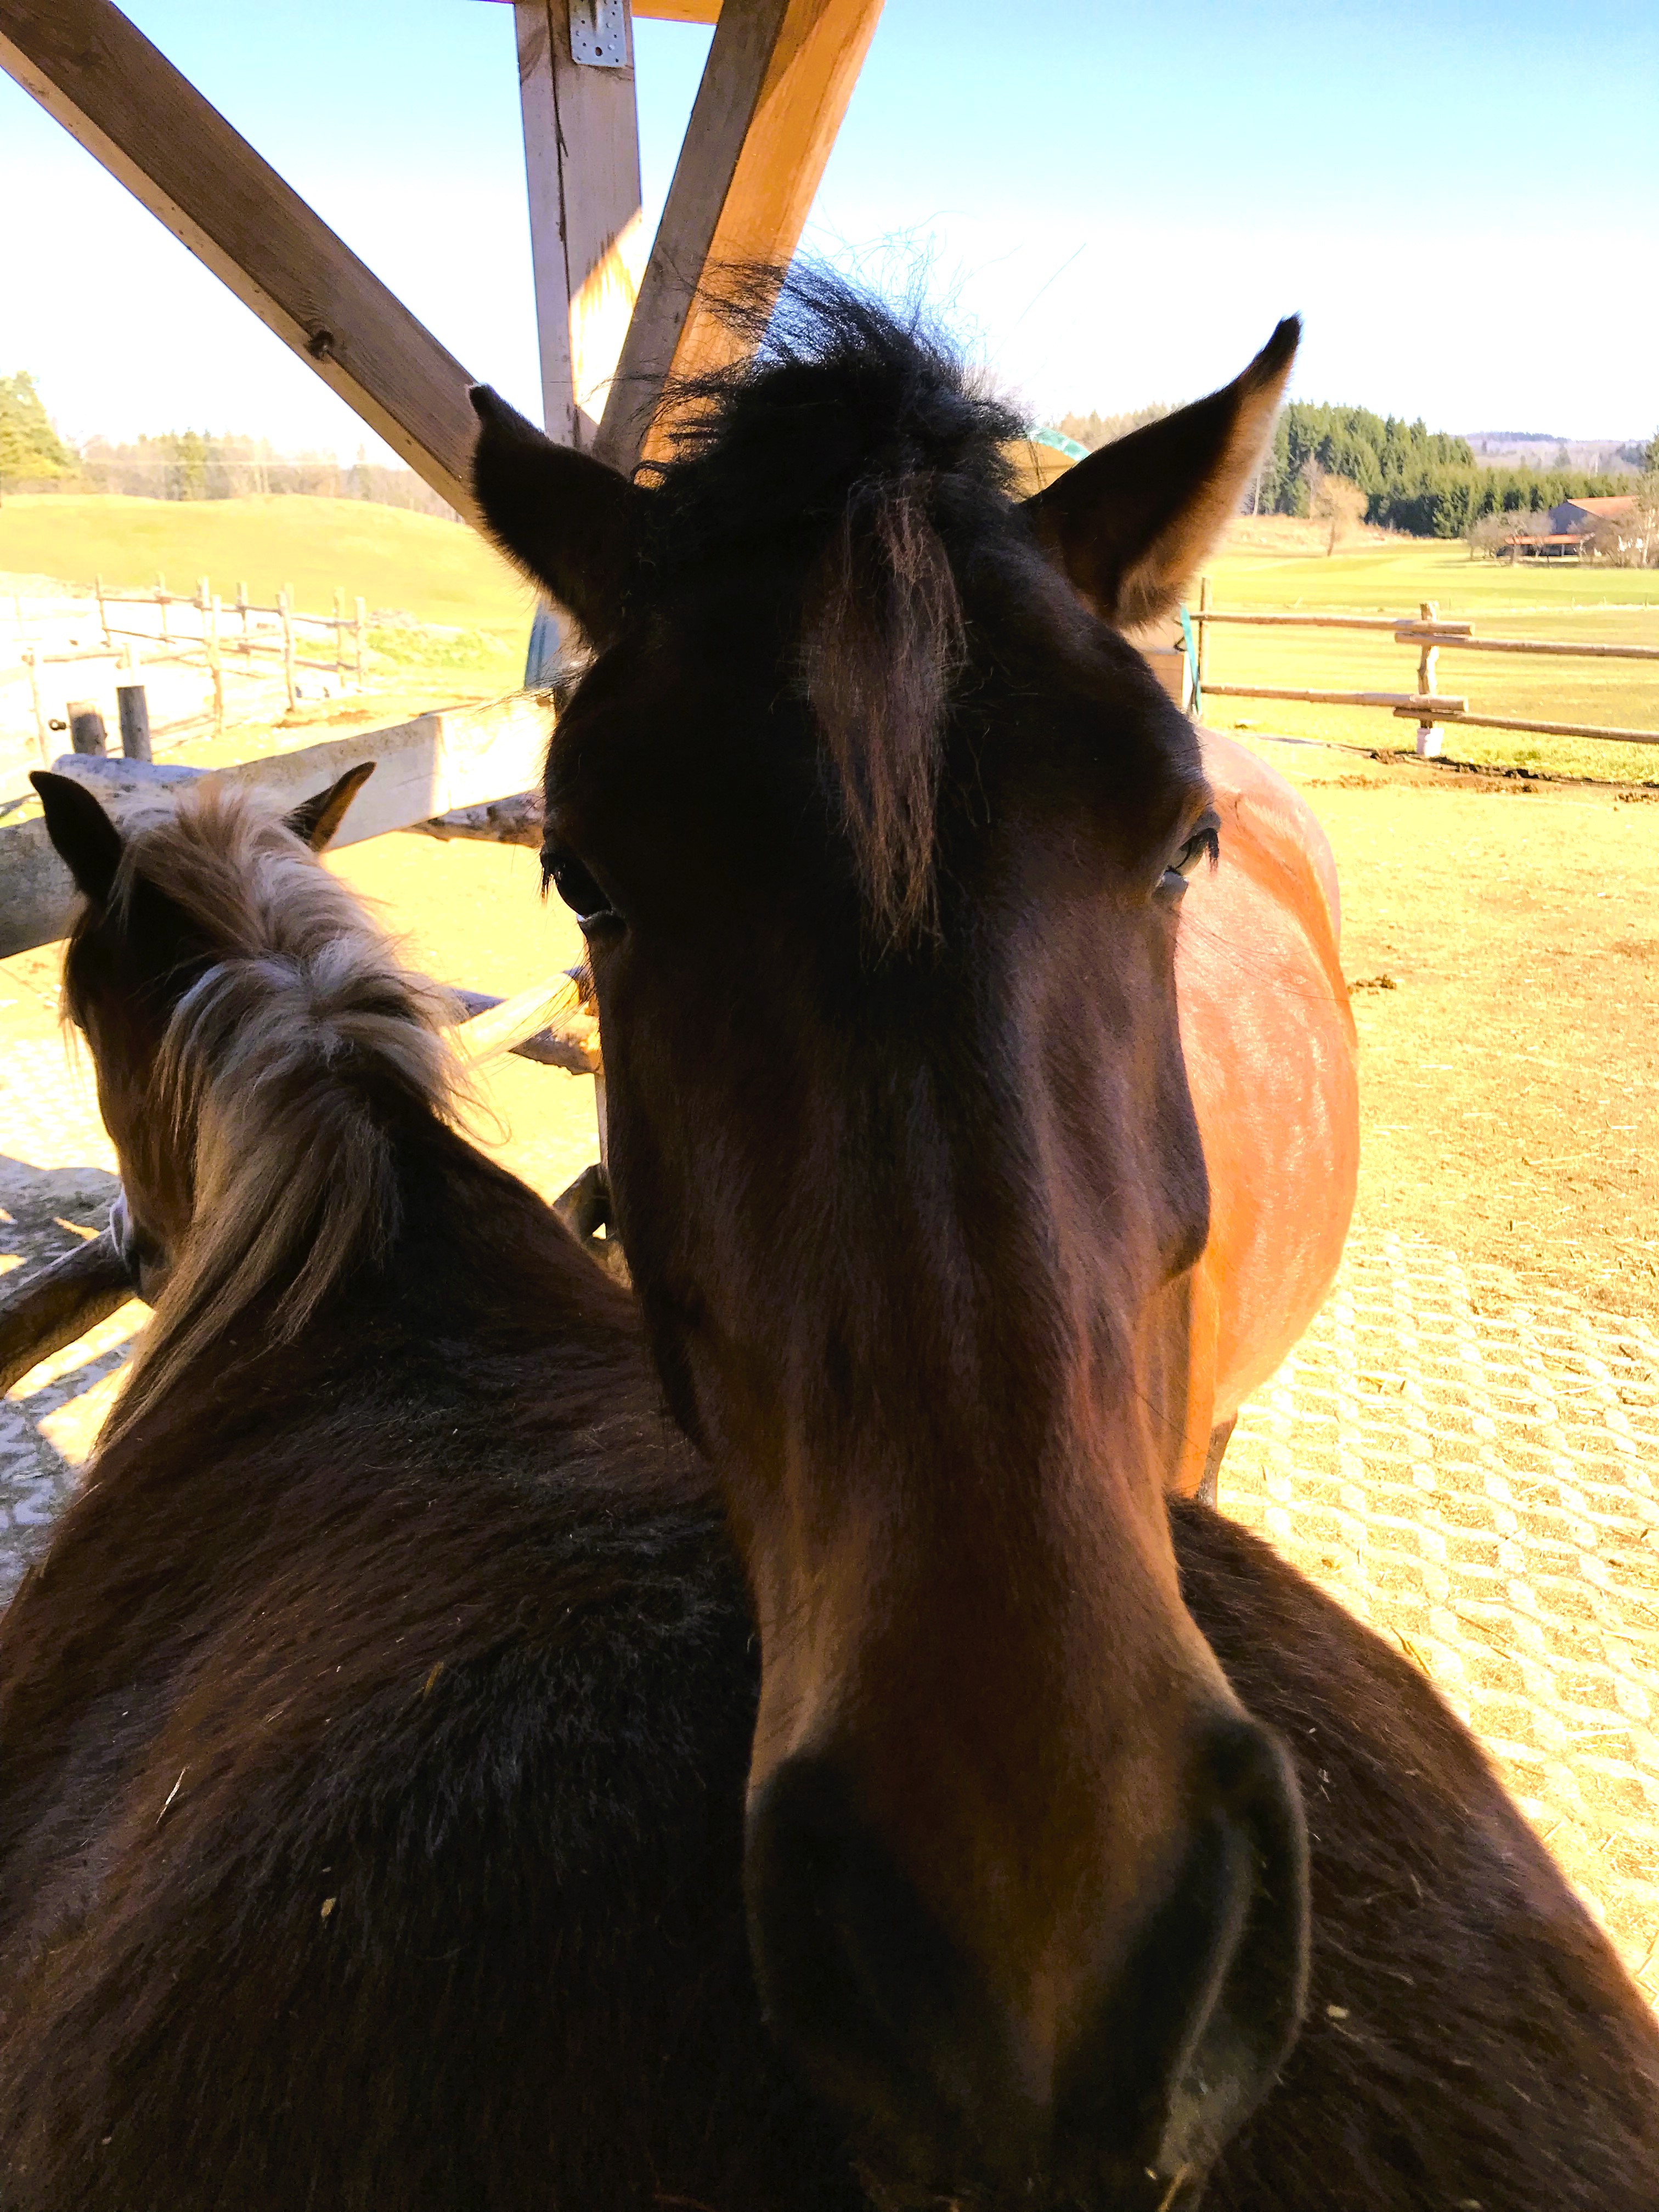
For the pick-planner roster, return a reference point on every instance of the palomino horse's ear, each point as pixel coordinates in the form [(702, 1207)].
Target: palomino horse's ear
[(315, 821), (567, 519), (1130, 525), (87, 841)]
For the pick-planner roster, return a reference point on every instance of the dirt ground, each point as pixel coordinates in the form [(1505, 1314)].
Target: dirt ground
[(1501, 941)]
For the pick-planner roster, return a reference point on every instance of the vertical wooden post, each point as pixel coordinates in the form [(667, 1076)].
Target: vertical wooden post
[(216, 667), (1203, 631), (87, 732), (581, 150), (202, 596), (1428, 733), (103, 612), (31, 657), (242, 609), (162, 602), (357, 627), (339, 635), (132, 711), (285, 609)]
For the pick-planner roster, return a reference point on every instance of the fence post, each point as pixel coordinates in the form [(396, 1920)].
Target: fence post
[(87, 733), (132, 709), (357, 625), (103, 617), (161, 603), (31, 655), (1202, 656), (339, 636), (216, 667), (242, 609), (285, 609), (1428, 733)]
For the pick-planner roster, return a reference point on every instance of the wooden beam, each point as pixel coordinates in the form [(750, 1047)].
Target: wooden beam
[(423, 769), (548, 1017), (775, 86), (126, 104), (581, 147), (56, 1305)]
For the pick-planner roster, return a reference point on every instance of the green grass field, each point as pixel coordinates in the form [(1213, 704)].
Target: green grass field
[(1611, 606), (439, 572)]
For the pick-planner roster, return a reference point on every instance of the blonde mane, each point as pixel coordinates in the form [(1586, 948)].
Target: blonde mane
[(270, 1093)]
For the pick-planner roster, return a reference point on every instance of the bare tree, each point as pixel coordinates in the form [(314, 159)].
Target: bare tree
[(1335, 501)]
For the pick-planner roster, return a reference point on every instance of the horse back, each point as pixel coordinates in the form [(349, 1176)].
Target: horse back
[(374, 1738), (1271, 1060)]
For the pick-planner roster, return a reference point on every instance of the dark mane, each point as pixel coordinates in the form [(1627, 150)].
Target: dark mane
[(850, 460)]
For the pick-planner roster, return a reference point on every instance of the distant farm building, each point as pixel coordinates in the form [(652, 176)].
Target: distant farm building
[(1583, 517), (1611, 528)]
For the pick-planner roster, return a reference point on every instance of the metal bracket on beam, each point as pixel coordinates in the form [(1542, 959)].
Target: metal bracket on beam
[(598, 33)]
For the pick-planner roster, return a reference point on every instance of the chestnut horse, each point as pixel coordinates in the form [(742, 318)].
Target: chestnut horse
[(879, 832)]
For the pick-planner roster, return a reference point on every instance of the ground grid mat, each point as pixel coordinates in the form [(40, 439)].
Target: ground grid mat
[(1475, 1473)]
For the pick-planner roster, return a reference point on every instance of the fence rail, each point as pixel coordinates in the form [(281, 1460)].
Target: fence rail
[(1430, 634)]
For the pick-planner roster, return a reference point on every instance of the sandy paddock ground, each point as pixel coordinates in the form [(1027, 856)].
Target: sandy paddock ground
[(1465, 1448)]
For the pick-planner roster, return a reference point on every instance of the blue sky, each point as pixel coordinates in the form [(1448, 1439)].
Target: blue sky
[(1111, 204)]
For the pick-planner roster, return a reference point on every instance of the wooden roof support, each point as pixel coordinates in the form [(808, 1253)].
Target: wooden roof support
[(581, 147), (775, 86), (127, 105)]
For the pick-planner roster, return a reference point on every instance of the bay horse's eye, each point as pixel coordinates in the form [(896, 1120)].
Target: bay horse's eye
[(577, 888), (1205, 841)]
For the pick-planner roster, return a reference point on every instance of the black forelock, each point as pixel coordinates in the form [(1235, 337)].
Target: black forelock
[(835, 393)]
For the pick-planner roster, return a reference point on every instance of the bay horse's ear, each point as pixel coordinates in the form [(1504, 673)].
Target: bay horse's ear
[(567, 519), (1130, 525), (88, 842), (315, 821)]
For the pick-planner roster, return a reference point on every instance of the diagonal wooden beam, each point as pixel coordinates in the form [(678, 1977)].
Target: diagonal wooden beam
[(775, 86), (127, 105)]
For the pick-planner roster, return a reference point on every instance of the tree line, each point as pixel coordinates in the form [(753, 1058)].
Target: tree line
[(1424, 482), (186, 463)]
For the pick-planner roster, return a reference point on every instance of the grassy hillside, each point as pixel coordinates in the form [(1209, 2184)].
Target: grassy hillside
[(439, 572), (1611, 606)]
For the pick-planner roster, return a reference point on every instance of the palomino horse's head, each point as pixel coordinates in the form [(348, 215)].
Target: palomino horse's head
[(878, 829)]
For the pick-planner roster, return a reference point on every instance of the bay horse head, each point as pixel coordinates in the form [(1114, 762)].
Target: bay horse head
[(878, 827)]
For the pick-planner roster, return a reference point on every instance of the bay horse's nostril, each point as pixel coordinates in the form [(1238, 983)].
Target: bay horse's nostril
[(1192, 2034), (881, 2009), (894, 2024)]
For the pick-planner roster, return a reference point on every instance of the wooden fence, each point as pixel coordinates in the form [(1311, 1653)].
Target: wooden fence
[(1429, 635), (215, 642)]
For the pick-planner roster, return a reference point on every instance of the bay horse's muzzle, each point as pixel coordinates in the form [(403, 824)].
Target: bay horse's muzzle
[(897, 2027)]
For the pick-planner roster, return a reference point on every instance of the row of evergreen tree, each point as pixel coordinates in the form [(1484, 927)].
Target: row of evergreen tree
[(1426, 482), (185, 463)]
